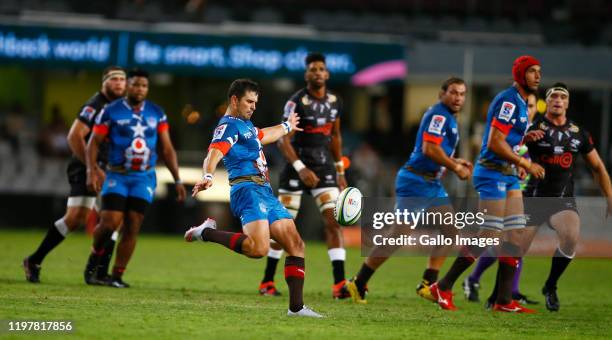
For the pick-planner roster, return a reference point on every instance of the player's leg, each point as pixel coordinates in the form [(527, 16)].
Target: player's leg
[(471, 284), (567, 225), (291, 200), (109, 222)]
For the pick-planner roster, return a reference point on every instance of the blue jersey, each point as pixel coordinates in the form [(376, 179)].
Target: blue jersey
[(508, 113), (239, 141), (132, 134), (438, 126)]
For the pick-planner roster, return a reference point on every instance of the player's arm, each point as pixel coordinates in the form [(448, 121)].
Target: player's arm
[(213, 157), (274, 133), (498, 145), (95, 174), (76, 139), (434, 151), (600, 173), (168, 154), (335, 147)]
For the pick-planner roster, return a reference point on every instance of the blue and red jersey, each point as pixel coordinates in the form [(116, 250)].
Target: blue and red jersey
[(240, 142), (132, 134), (438, 126), (507, 113)]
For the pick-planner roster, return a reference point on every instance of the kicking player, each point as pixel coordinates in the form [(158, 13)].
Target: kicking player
[(239, 143), (313, 164), (80, 200), (134, 127), (471, 284), (436, 141), (495, 179), (555, 142)]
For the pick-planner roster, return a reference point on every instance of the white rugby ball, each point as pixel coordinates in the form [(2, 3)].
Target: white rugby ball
[(348, 206)]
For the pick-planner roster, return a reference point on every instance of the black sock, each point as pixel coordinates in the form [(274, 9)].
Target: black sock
[(106, 259), (230, 240), (270, 269), (466, 257), (51, 240), (430, 275), (118, 272), (294, 275), (493, 296), (364, 275), (338, 270), (508, 261), (558, 266)]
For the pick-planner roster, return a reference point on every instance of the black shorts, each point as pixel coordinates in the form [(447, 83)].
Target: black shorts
[(540, 211), (120, 203), (290, 180), (77, 177)]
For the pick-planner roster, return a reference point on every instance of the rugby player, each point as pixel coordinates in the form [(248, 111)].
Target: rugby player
[(497, 183), (418, 186), (313, 165), (80, 200), (238, 143), (134, 128)]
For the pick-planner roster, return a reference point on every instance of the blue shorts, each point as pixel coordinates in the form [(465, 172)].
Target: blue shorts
[(132, 184), (252, 202), (413, 192), (493, 185)]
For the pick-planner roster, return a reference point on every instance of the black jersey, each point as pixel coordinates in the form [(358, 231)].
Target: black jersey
[(556, 152), (88, 114), (317, 117)]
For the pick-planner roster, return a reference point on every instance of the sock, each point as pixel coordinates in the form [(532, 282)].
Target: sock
[(560, 261), (55, 235), (508, 261), (294, 276), (108, 255), (430, 275), (466, 257), (337, 257), (118, 272), (227, 239), (484, 262), (493, 296), (273, 258), (364, 275), (517, 277)]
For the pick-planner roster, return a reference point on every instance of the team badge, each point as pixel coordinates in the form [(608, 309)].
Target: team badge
[(88, 112), (219, 131), (436, 124), (289, 108), (506, 111), (573, 128)]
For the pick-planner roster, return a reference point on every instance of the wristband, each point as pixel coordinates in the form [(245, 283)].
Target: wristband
[(298, 165), (178, 181), (208, 176), (286, 127), (339, 167)]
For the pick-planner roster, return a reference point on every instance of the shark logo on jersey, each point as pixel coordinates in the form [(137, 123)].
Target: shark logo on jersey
[(506, 111), (436, 124)]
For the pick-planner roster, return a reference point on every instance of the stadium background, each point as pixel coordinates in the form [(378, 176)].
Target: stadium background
[(389, 58)]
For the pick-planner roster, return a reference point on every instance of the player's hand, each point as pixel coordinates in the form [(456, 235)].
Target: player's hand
[(294, 121), (200, 185), (181, 192), (95, 179), (341, 179), (462, 171), (533, 136), (522, 173), (536, 170), (465, 163), (309, 178)]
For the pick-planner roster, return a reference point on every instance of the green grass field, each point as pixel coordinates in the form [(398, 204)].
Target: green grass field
[(182, 290)]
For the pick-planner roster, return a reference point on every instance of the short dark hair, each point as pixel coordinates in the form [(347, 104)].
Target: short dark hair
[(314, 56), (137, 72), (561, 85), (450, 81), (239, 88)]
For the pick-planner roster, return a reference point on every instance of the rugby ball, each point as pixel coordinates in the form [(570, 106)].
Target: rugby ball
[(348, 206)]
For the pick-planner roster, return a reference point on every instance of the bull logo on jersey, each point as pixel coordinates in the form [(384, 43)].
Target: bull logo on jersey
[(139, 145)]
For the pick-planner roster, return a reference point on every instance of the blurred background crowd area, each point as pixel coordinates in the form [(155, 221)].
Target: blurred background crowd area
[(473, 39)]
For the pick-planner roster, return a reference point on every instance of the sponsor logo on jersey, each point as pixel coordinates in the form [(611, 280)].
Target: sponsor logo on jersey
[(564, 160), (124, 121), (573, 128), (436, 124), (321, 121), (139, 145), (248, 135), (558, 149), (219, 131), (506, 111)]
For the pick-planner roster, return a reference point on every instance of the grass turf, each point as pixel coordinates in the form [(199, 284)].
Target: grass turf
[(200, 290)]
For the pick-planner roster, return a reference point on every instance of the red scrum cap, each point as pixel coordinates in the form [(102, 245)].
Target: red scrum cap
[(520, 66)]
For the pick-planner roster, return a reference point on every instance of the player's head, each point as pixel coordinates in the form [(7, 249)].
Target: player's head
[(242, 96), (113, 82), (527, 73), (532, 105), (557, 99), (137, 85), (452, 93), (316, 74)]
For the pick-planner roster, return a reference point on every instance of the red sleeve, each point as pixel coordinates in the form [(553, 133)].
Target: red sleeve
[(260, 134), (428, 137), (505, 128), (222, 146), (163, 126), (100, 129)]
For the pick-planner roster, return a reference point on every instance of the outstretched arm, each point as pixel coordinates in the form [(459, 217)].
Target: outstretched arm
[(273, 133), (211, 161), (461, 167), (601, 176)]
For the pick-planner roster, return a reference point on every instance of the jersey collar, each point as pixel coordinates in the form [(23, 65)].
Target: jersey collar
[(137, 109)]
